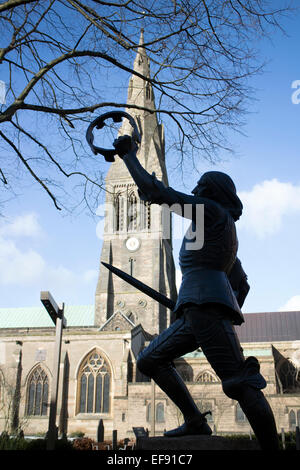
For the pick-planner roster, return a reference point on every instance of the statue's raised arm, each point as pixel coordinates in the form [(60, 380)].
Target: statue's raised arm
[(212, 291)]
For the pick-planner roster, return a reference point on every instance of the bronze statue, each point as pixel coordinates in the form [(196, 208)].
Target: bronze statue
[(211, 294)]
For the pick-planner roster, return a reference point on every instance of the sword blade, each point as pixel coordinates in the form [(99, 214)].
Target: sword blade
[(162, 299)]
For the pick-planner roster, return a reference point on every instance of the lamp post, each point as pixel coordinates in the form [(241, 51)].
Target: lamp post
[(57, 316)]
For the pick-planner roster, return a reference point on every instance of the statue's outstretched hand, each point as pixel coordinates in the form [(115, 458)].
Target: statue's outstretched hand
[(124, 145)]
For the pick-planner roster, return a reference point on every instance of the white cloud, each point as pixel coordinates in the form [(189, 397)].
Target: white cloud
[(292, 304), (90, 275), (266, 205), (27, 268), (26, 225), (59, 276), (18, 267)]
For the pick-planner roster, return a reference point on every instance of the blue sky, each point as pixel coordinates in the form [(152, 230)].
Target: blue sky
[(43, 249)]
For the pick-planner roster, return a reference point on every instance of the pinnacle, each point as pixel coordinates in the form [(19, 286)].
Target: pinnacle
[(141, 37)]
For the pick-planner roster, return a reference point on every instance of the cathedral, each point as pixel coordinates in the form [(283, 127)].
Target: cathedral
[(98, 376)]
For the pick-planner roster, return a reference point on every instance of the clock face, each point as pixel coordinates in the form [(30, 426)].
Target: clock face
[(132, 243)]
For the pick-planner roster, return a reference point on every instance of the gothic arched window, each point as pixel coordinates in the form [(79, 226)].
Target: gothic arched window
[(159, 413), (119, 213), (292, 420), (94, 385), (132, 212), (37, 393), (148, 92), (206, 377)]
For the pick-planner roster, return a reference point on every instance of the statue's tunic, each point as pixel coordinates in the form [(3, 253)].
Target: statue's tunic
[(205, 269)]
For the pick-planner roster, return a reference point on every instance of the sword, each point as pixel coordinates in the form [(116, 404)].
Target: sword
[(162, 299)]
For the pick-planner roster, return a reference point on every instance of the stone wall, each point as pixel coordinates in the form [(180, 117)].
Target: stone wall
[(129, 400)]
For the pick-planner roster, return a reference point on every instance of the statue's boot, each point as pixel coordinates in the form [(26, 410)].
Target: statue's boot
[(196, 426), (261, 418), (194, 422)]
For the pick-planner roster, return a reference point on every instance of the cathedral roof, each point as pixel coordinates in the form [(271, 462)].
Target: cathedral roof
[(37, 317), (270, 326), (258, 327)]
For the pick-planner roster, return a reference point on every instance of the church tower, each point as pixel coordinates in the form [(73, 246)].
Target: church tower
[(137, 235)]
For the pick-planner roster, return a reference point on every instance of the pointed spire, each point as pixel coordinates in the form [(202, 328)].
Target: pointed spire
[(142, 37), (141, 50), (142, 63), (140, 93)]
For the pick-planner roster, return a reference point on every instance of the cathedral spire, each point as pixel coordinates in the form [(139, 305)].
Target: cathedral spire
[(141, 95), (142, 63), (140, 91), (137, 238)]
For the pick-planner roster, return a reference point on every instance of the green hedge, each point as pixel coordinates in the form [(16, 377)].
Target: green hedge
[(12, 443), (290, 439), (243, 437), (20, 443)]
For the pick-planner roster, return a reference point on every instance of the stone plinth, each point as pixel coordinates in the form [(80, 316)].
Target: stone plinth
[(186, 443)]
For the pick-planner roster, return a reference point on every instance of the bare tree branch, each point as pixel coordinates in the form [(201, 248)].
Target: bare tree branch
[(30, 169), (64, 59), (14, 3)]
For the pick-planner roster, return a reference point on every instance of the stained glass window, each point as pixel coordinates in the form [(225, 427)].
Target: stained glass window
[(148, 413), (206, 377), (159, 413), (148, 92), (132, 212), (94, 385), (37, 393), (292, 420)]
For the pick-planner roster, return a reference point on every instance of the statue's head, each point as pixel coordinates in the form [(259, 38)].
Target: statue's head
[(220, 187)]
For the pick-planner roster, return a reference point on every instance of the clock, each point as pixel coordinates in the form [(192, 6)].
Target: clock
[(132, 244)]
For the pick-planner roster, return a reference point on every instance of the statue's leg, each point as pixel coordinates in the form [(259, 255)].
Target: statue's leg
[(155, 361), (241, 379), (259, 414)]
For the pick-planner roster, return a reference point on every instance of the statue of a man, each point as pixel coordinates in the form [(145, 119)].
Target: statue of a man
[(207, 304)]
